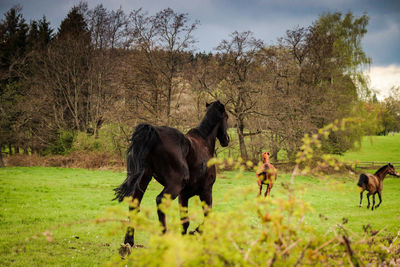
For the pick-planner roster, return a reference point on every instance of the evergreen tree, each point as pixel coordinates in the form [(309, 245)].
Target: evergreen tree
[(74, 25), (13, 34), (40, 34)]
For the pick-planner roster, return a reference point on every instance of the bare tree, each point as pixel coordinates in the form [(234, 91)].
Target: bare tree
[(107, 28), (240, 80), (163, 42)]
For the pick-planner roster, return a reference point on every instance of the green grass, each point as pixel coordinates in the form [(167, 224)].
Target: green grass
[(65, 201), (376, 148)]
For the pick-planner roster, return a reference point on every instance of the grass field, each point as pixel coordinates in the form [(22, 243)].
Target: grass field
[(376, 148), (66, 201)]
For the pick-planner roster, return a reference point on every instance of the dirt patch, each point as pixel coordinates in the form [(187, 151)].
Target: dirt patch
[(77, 159)]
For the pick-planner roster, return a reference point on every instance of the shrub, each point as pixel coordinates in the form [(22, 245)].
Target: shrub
[(62, 144), (111, 139), (261, 231)]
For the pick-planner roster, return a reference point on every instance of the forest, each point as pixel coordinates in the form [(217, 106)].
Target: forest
[(87, 84)]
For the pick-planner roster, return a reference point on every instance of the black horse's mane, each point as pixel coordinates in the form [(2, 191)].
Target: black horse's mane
[(212, 117)]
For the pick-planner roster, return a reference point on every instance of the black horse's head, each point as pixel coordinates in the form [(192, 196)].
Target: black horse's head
[(222, 116), (392, 171)]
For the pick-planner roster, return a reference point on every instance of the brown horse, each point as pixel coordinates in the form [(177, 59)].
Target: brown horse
[(176, 161), (374, 183), (266, 174)]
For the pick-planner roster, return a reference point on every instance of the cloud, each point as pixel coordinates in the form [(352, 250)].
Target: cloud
[(267, 19), (382, 40), (383, 78)]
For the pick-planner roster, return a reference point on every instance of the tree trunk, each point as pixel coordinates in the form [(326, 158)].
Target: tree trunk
[(274, 155), (169, 104), (275, 148), (1, 157), (10, 152), (242, 145)]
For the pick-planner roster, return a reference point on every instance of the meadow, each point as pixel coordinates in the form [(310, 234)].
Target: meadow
[(48, 215), (376, 148)]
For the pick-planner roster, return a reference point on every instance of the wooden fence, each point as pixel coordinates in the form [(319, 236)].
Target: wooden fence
[(359, 165), (375, 164)]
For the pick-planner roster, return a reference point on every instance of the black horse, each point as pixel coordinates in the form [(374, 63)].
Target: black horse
[(374, 183), (176, 161)]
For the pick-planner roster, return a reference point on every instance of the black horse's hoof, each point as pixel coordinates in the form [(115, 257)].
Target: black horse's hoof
[(197, 230), (125, 250)]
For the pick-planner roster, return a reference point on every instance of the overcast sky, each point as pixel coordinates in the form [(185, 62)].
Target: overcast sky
[(267, 19)]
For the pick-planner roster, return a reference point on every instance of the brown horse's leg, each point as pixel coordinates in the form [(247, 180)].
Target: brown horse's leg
[(184, 202), (373, 201), (380, 199), (368, 194), (260, 187), (270, 188), (361, 195), (267, 191), (140, 188)]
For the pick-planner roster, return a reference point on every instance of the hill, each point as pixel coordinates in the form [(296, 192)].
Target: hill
[(376, 148)]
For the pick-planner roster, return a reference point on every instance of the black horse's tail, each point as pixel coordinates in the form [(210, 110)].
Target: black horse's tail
[(144, 139), (363, 180)]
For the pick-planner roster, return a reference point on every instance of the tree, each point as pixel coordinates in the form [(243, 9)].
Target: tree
[(107, 28), (240, 81), (335, 42), (13, 35), (390, 117), (75, 25), (314, 78), (77, 74), (40, 34), (162, 43)]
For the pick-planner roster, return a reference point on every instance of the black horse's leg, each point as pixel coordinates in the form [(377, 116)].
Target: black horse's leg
[(138, 193), (173, 192), (373, 201), (206, 198), (368, 194), (184, 202), (380, 199), (361, 195)]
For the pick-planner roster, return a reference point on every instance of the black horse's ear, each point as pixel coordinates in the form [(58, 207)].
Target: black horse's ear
[(207, 105)]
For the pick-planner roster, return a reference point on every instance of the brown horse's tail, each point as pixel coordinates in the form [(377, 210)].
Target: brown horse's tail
[(144, 139), (363, 180)]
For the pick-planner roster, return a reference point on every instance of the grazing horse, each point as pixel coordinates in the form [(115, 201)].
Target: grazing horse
[(176, 161), (266, 174), (374, 183)]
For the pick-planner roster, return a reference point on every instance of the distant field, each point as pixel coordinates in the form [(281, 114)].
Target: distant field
[(376, 148), (372, 148), (66, 200)]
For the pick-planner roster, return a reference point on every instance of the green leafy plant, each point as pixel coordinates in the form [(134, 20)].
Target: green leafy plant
[(263, 231)]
